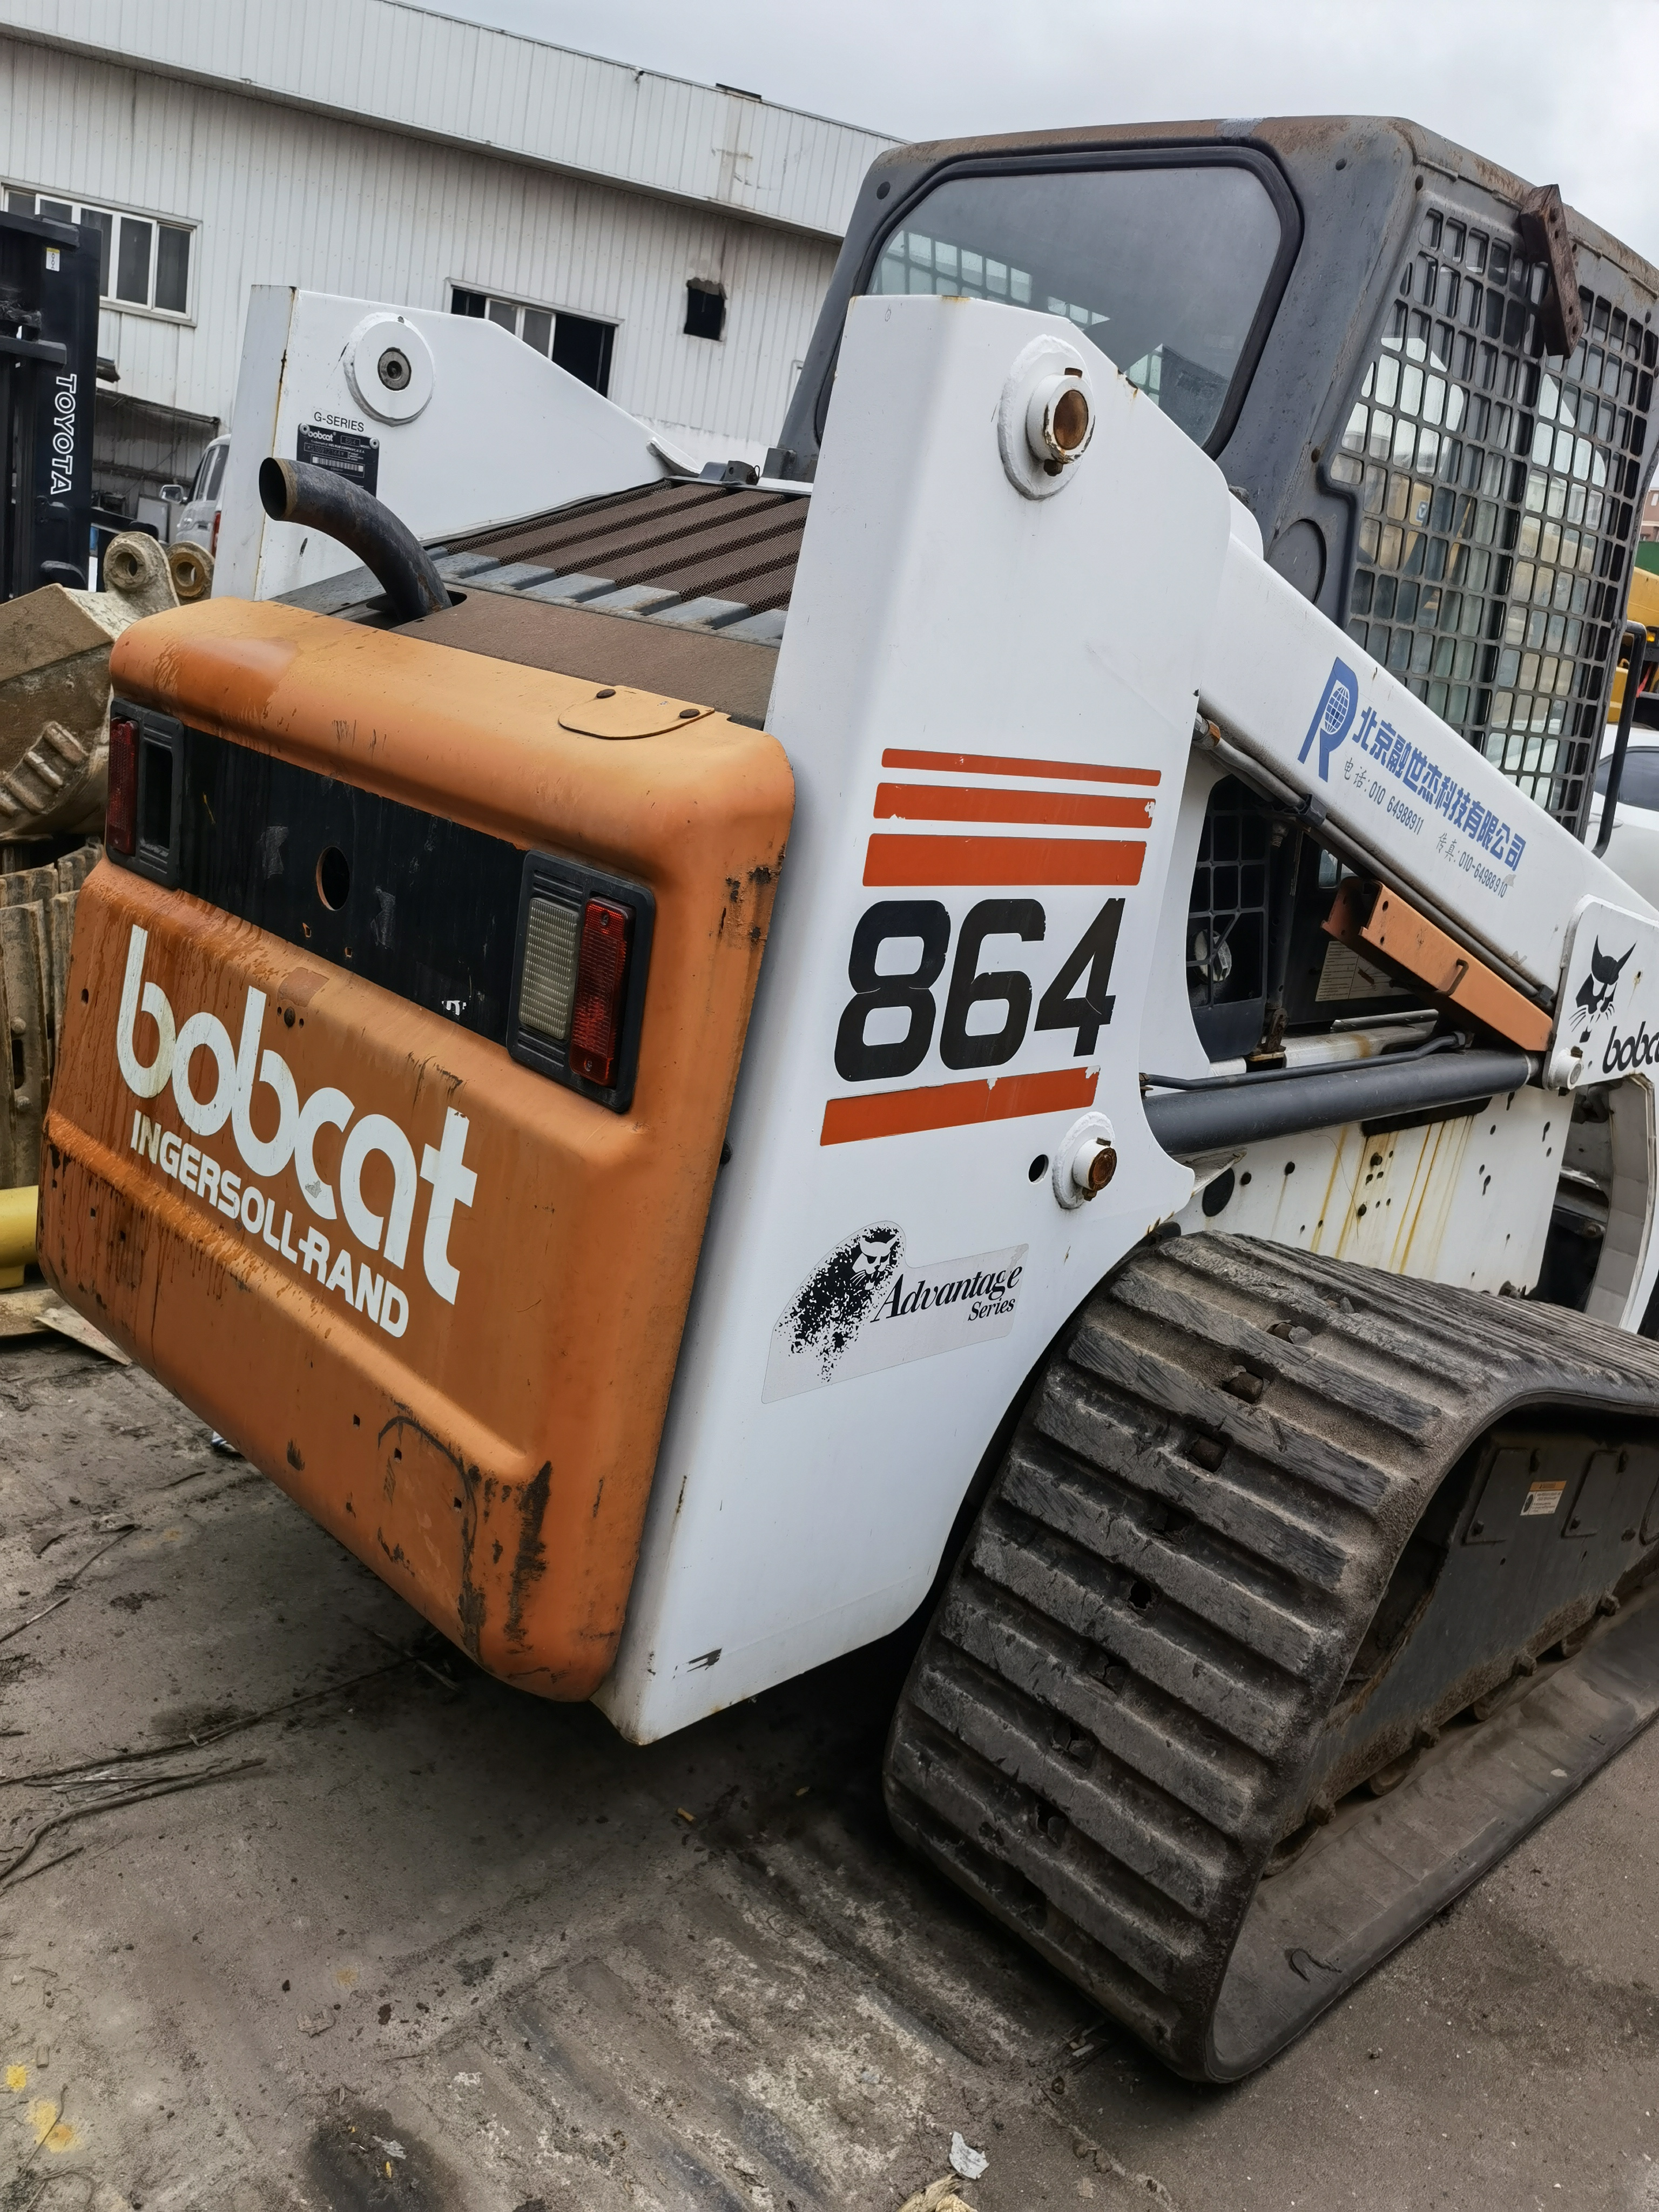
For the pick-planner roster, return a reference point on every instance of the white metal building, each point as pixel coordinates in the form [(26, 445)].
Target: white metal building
[(668, 242)]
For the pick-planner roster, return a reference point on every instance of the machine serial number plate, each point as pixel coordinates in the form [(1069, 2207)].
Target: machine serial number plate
[(345, 451)]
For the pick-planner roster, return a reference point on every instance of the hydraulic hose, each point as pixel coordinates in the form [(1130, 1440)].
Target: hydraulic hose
[(317, 499)]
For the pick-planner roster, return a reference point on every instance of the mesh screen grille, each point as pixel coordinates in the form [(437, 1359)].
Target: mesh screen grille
[(1497, 492), (1227, 912)]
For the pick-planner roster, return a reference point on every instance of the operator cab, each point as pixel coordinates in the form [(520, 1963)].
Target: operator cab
[(1433, 394)]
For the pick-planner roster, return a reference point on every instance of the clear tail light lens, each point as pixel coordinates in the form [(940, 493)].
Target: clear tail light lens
[(547, 990), (121, 821), (580, 966), (601, 981)]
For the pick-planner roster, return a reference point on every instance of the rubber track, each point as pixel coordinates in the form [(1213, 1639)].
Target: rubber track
[(1105, 1732)]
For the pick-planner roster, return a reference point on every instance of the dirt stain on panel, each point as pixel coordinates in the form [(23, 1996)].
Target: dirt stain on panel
[(530, 1560), (404, 1430)]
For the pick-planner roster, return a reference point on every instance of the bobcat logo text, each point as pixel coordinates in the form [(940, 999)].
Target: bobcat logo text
[(239, 1072)]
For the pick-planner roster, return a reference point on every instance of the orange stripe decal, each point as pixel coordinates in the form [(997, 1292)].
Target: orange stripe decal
[(946, 802), (971, 861), (996, 764), (955, 1105)]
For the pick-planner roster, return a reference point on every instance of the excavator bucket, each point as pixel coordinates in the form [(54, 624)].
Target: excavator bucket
[(54, 689)]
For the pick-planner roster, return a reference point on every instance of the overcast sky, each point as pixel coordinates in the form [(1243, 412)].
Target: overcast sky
[(1561, 94)]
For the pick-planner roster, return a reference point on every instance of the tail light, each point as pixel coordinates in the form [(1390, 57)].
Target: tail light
[(596, 1025), (146, 791), (213, 541), (121, 821), (579, 976)]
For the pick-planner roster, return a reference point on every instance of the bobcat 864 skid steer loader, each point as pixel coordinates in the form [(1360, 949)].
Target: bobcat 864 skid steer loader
[(1179, 1114)]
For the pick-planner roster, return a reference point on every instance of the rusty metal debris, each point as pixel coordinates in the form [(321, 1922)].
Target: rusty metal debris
[(54, 766)]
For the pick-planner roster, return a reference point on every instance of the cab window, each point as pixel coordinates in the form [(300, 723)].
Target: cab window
[(1163, 268)]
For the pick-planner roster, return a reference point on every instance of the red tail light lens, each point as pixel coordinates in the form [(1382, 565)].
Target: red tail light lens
[(121, 821), (601, 976), (213, 542), (580, 959)]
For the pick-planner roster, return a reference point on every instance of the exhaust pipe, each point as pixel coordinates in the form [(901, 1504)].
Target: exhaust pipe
[(318, 499)]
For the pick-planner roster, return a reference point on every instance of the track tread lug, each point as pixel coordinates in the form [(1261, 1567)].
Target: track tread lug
[(1159, 1694)]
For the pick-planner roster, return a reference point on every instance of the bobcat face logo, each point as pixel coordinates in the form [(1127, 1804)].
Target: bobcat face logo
[(840, 1294), (1595, 993)]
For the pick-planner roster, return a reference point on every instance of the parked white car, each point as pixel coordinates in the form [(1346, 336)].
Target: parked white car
[(198, 520), (1633, 849)]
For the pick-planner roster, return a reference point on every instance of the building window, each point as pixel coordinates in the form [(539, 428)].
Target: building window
[(705, 310), (142, 262), (576, 343)]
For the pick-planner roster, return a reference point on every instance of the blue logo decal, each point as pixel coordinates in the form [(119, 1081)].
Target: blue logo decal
[(1333, 716)]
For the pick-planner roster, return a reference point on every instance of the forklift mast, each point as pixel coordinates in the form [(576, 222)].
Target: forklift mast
[(48, 369)]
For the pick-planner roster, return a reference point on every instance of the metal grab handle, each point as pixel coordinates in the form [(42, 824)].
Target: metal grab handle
[(1637, 636)]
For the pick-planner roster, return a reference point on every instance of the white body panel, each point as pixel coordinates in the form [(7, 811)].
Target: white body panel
[(504, 432), (782, 1533), (1062, 645), (1466, 1201)]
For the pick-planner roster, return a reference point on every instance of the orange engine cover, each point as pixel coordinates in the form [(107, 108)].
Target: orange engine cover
[(433, 1293)]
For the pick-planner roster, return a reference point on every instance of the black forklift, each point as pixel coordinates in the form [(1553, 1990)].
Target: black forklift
[(48, 372)]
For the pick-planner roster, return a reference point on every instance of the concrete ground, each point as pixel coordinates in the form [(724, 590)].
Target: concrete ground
[(312, 1913)]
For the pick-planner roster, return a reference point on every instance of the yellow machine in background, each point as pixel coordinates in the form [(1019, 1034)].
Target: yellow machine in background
[(1643, 607)]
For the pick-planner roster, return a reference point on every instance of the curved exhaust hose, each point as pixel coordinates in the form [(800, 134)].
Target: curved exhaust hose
[(318, 499)]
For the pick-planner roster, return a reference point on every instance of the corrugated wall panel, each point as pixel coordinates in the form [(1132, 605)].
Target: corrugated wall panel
[(403, 67), (282, 196)]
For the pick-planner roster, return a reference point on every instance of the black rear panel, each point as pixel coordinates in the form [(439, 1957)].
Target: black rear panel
[(419, 905)]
